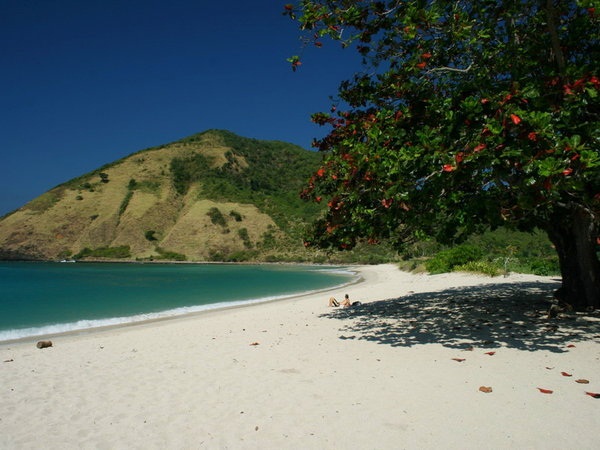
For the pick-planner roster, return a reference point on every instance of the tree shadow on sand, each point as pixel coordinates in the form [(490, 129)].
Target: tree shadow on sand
[(492, 315)]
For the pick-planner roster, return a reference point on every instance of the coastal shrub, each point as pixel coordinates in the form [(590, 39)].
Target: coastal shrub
[(150, 235), (125, 202), (119, 252), (172, 256), (104, 177), (446, 260), (242, 255), (243, 234), (216, 217), (236, 216), (148, 186), (484, 267), (544, 267)]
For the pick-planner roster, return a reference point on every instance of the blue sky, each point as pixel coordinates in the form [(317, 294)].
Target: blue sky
[(86, 82)]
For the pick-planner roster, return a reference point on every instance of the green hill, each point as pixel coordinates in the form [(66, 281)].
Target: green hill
[(210, 196)]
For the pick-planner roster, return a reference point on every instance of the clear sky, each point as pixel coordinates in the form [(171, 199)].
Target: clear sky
[(86, 82)]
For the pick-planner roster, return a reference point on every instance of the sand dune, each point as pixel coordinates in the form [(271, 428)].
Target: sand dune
[(403, 370)]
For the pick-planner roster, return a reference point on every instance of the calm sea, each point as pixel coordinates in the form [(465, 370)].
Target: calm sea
[(45, 298)]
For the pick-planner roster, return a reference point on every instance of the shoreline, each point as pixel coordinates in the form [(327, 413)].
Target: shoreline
[(164, 316), (296, 374)]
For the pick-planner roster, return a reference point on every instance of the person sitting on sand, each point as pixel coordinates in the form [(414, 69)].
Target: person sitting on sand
[(345, 303), (333, 302)]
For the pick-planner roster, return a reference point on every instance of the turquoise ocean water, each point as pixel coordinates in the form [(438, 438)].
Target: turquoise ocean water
[(44, 298)]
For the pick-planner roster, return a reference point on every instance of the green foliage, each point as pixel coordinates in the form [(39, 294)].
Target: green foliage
[(236, 216), (243, 234), (103, 177), (271, 177), (216, 217), (447, 260), (119, 252), (150, 235), (497, 252), (545, 267), (467, 116), (483, 267), (169, 255), (125, 202)]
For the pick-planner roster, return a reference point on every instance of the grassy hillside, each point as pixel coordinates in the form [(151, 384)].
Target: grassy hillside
[(211, 196)]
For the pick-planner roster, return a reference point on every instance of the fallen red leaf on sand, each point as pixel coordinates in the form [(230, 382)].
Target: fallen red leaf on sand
[(255, 343), (593, 394), (570, 345), (490, 353), (545, 391), (458, 359), (486, 389), (565, 374), (582, 381)]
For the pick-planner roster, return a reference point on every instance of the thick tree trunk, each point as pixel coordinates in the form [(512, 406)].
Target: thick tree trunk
[(573, 232)]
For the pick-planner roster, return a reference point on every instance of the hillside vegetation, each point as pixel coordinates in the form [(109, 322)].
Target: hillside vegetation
[(211, 196), (216, 196)]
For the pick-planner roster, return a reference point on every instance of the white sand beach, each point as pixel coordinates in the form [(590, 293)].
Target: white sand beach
[(401, 371)]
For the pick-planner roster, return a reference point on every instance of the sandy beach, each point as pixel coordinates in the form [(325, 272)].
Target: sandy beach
[(401, 371)]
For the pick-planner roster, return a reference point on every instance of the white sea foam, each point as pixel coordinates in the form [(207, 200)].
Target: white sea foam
[(59, 328)]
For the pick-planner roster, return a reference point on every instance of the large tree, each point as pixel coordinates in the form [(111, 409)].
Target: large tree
[(468, 115)]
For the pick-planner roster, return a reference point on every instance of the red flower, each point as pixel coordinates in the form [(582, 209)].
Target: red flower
[(448, 168), (515, 119), (532, 136), (321, 172), (567, 172), (459, 157), (421, 65), (426, 55), (387, 202), (479, 148)]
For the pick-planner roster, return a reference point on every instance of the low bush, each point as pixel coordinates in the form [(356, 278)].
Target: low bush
[(447, 260), (122, 251), (484, 267)]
